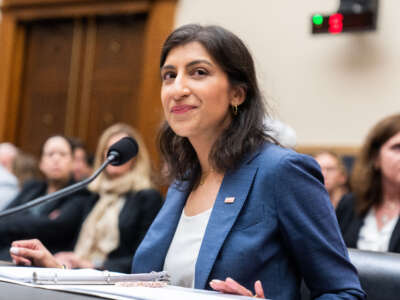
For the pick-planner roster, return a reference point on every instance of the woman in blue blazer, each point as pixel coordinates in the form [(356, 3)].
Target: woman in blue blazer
[(260, 211), (239, 206)]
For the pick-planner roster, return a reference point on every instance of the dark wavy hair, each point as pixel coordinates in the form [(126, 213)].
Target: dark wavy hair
[(246, 131), (366, 178)]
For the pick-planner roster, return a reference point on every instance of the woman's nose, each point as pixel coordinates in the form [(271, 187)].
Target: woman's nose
[(181, 89)]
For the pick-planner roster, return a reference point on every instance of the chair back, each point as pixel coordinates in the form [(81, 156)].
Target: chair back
[(379, 274)]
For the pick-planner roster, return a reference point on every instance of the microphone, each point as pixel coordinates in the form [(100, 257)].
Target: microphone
[(118, 154), (122, 151)]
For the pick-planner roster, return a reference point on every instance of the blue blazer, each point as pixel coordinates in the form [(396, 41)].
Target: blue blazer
[(280, 228)]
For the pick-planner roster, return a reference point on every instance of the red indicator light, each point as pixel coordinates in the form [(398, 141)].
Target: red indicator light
[(336, 23)]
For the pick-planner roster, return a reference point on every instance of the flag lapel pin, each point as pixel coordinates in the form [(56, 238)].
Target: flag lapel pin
[(229, 200)]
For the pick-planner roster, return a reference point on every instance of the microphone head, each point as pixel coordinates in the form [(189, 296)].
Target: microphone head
[(123, 150)]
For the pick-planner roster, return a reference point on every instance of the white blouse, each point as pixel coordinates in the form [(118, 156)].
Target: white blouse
[(182, 254), (371, 238)]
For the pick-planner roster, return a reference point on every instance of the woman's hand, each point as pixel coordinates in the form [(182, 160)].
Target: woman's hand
[(32, 252), (230, 286), (72, 261)]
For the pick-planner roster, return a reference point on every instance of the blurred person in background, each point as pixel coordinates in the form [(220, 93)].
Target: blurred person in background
[(8, 152), (56, 222), (83, 161), (9, 187), (369, 217), (282, 132), (126, 205), (335, 175), (25, 168)]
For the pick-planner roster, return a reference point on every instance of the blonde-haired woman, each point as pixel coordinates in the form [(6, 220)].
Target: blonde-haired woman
[(126, 206)]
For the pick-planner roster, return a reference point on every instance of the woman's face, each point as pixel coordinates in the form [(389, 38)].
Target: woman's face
[(80, 167), (117, 171), (334, 177), (388, 160), (196, 94), (56, 160)]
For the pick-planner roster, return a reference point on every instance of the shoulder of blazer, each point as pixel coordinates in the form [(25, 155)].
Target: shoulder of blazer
[(266, 153), (275, 158)]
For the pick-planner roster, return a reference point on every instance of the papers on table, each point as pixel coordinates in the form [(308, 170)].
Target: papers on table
[(24, 276), (81, 276), (147, 293), (52, 275)]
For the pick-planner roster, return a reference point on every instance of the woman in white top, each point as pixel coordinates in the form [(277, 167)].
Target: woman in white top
[(239, 206), (369, 218)]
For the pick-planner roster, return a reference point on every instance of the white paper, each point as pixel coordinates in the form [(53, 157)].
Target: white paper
[(145, 293), (23, 276)]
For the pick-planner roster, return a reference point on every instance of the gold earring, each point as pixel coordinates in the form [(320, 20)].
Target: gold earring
[(235, 109)]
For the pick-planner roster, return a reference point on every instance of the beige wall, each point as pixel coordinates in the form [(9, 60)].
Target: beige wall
[(330, 89)]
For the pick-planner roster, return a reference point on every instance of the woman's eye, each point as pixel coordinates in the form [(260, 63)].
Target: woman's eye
[(396, 147), (200, 72), (168, 75)]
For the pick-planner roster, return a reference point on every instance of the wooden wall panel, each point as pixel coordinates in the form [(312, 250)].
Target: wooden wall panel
[(8, 44), (150, 115), (116, 72), (45, 82)]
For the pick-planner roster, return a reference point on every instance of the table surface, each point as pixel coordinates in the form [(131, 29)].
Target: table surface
[(13, 291)]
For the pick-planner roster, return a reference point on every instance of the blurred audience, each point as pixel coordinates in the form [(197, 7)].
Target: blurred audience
[(335, 175), (369, 218), (83, 161), (8, 152), (56, 222), (25, 168), (126, 206), (8, 187)]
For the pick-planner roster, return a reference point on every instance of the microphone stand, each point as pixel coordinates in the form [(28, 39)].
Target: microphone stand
[(60, 193)]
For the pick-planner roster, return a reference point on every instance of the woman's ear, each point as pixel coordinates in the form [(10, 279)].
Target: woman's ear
[(238, 95)]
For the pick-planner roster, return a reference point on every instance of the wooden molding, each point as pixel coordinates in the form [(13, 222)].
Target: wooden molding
[(8, 41), (72, 102), (160, 25), (340, 150), (68, 9), (7, 4)]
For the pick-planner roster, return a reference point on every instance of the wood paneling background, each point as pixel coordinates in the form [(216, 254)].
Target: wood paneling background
[(76, 67)]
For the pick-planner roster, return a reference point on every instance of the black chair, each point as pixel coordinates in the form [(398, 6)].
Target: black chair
[(379, 274)]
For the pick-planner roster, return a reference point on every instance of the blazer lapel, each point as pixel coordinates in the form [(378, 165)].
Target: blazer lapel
[(395, 238), (223, 216)]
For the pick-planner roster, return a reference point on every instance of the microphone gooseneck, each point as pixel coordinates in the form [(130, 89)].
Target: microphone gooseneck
[(118, 154)]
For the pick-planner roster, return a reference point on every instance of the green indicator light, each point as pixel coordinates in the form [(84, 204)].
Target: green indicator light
[(318, 19)]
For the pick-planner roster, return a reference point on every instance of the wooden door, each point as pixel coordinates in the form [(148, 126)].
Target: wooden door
[(45, 82), (114, 66), (80, 76)]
